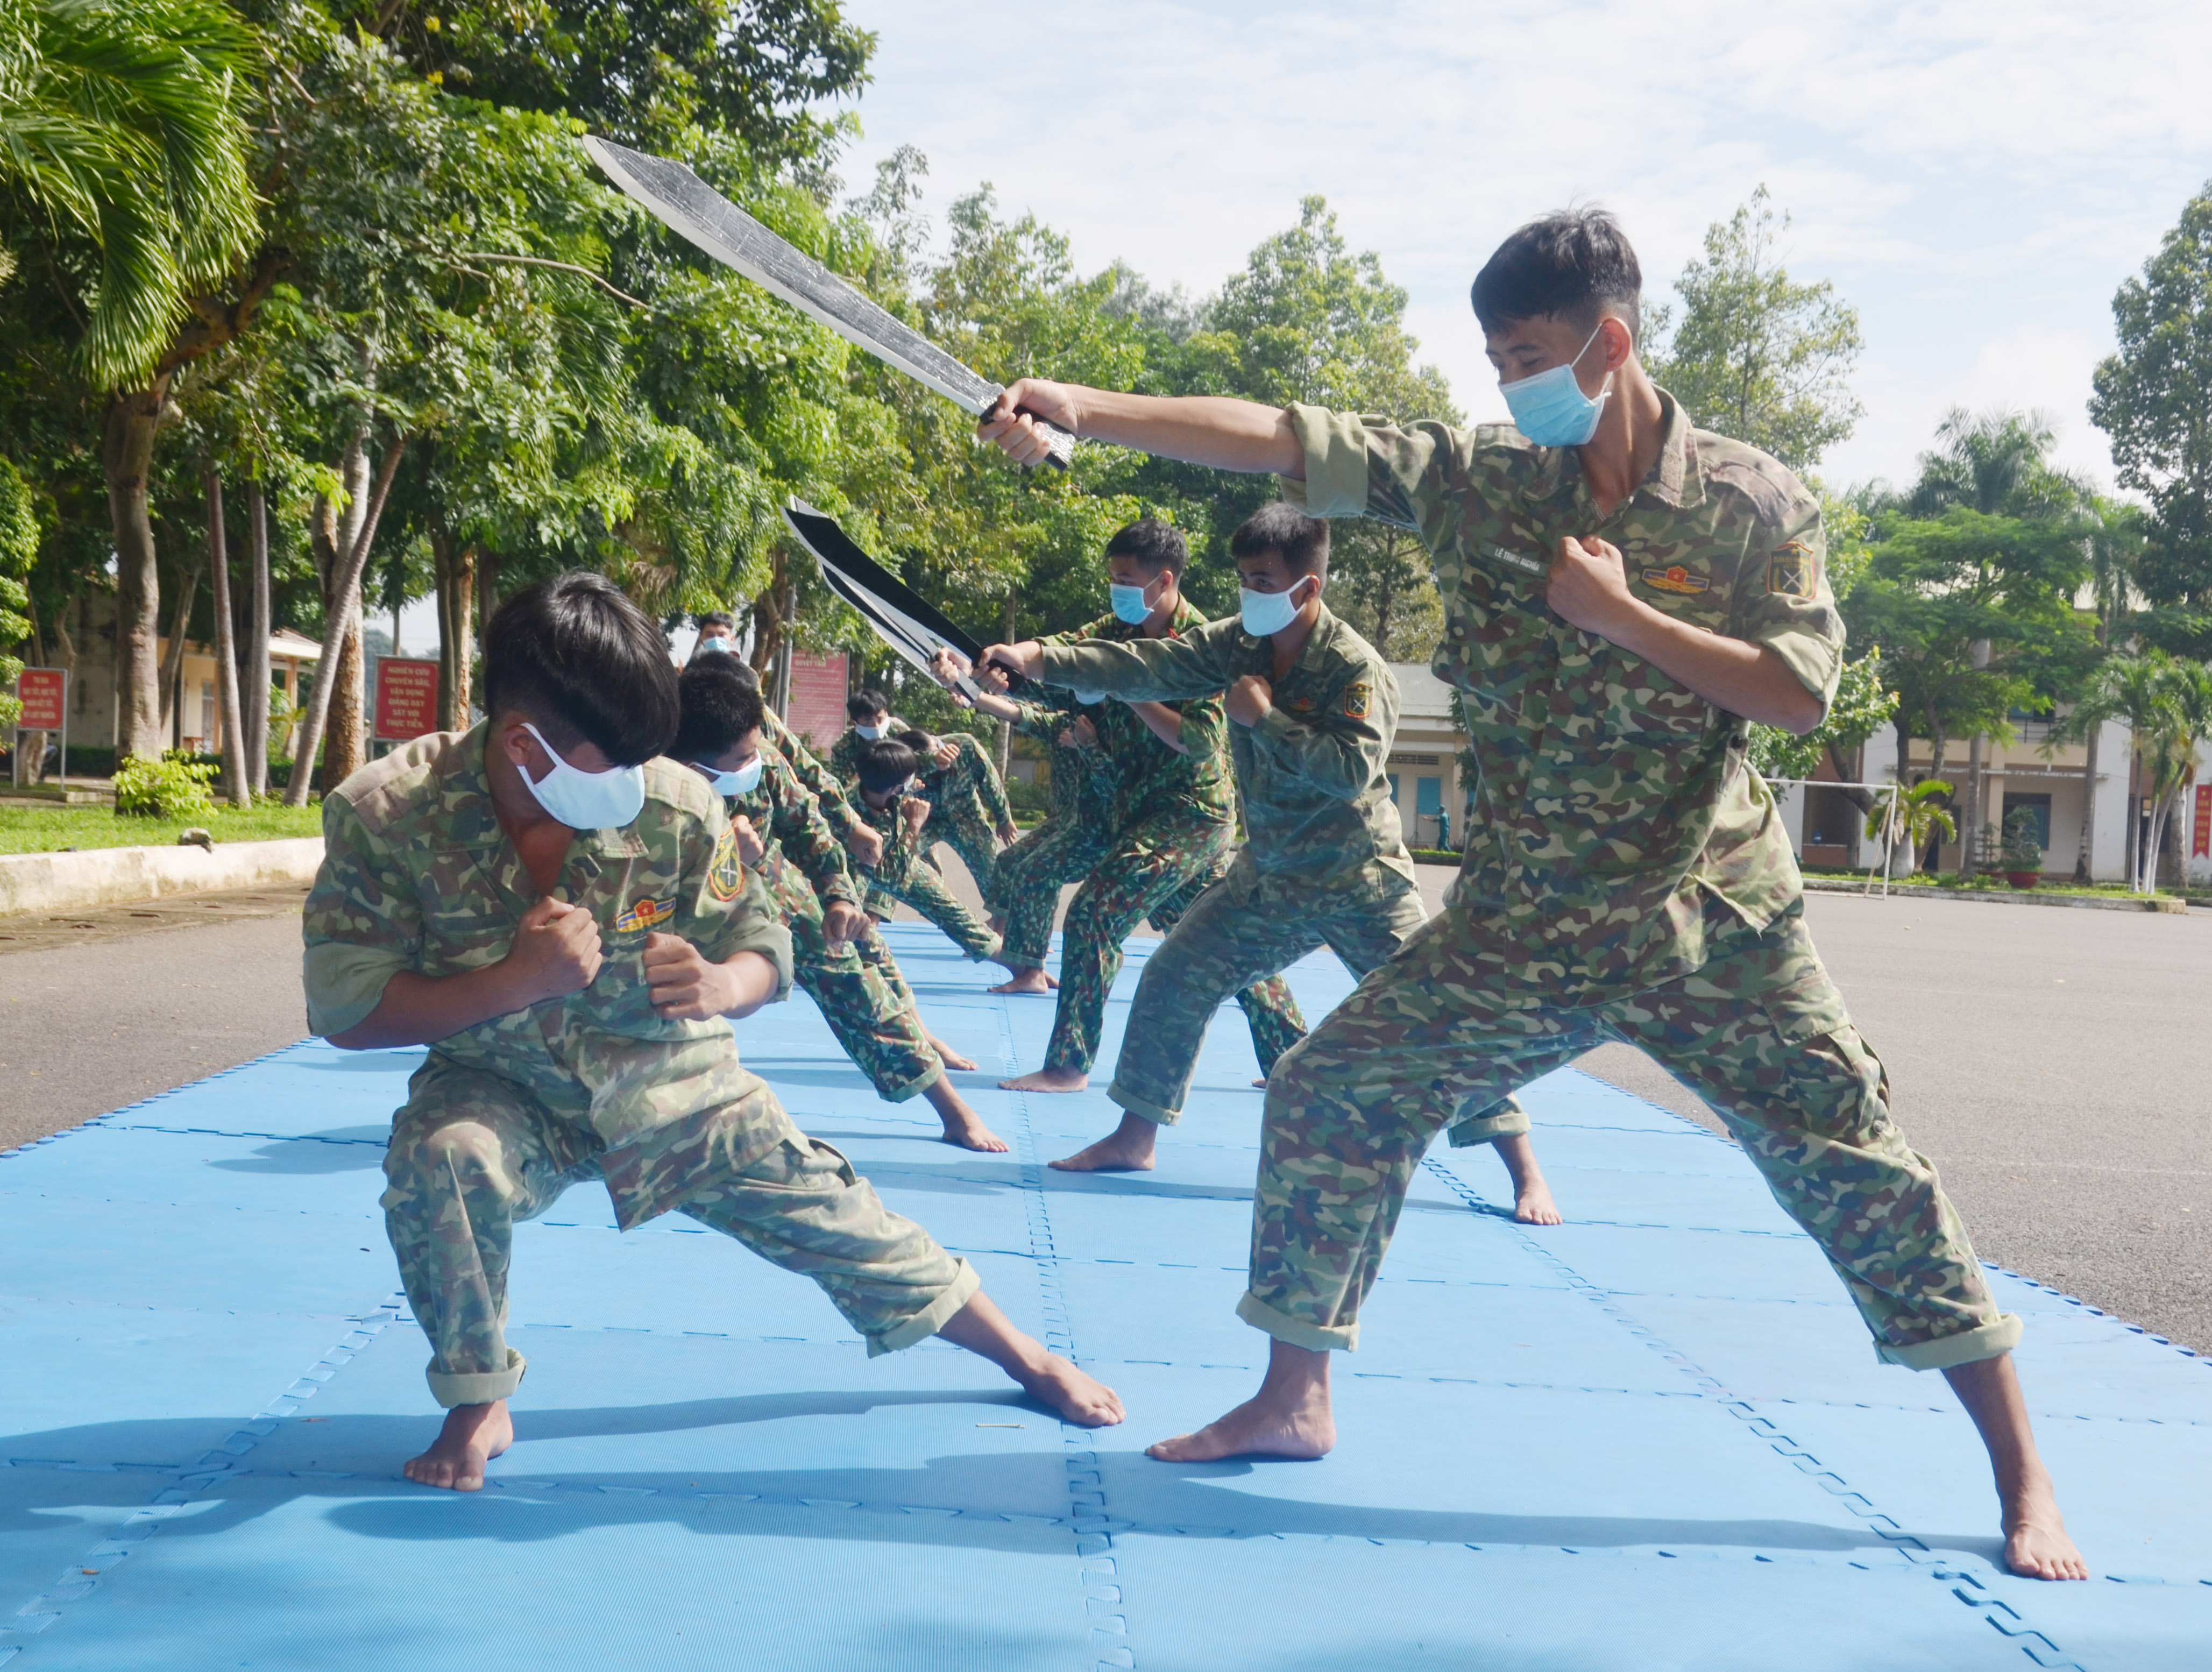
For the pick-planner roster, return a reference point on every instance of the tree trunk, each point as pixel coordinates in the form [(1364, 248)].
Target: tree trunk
[(339, 676), (769, 622), (2085, 855), (1970, 826), (225, 650), (457, 596), (255, 715), (172, 665), (345, 734), (126, 451), (487, 589), (340, 624)]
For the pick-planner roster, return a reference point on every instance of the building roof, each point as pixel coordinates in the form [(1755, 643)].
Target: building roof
[(296, 645), (1422, 699)]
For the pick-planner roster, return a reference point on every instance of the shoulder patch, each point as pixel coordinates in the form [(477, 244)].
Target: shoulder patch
[(726, 877), (1793, 571), (1358, 698)]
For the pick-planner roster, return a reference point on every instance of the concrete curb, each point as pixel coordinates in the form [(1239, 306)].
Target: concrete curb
[(117, 875), (2022, 896)]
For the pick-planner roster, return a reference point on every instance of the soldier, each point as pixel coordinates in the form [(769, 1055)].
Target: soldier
[(718, 636), (837, 957), (1324, 863), (968, 803), (871, 720), (1078, 834), (563, 919), (1175, 816), (890, 801), (1622, 593)]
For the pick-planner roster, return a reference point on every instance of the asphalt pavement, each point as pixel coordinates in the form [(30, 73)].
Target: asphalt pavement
[(2041, 1057)]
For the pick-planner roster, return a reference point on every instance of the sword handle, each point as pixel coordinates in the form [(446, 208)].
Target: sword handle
[(1062, 441)]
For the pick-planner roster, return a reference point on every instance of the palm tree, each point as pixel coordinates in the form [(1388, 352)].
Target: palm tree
[(1908, 817), (2166, 703), (122, 120)]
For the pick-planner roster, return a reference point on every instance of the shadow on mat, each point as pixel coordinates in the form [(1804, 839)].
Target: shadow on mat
[(950, 1501), (341, 1150)]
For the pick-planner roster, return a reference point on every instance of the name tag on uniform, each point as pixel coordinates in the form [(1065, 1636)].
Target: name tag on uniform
[(1525, 562)]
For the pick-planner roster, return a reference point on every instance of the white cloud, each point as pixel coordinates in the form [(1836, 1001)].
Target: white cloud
[(1977, 177)]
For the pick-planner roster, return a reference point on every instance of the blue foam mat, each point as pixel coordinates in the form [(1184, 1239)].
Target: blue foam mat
[(1654, 1435)]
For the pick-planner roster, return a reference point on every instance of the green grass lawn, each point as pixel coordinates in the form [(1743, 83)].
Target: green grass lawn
[(43, 830)]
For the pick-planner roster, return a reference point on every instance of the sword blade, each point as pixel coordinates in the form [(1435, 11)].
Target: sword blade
[(902, 618), (695, 210)]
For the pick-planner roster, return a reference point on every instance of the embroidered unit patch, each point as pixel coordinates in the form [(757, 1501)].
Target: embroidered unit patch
[(645, 914), (726, 877), (1676, 579), (1793, 571), (1356, 701)]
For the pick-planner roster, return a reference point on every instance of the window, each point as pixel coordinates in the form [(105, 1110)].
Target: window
[(207, 711), (1395, 798), (2038, 804), (1429, 793)]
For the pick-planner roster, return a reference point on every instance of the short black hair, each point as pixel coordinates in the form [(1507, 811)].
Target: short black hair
[(865, 705), (718, 618), (1281, 526), (1153, 545), (583, 662), (1574, 263), (720, 707), (884, 764)]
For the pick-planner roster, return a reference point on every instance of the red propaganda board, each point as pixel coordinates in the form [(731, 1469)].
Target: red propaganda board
[(406, 698), (817, 708), (2200, 841), (45, 691)]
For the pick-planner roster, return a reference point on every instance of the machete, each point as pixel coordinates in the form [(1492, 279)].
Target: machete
[(692, 207), (902, 618)]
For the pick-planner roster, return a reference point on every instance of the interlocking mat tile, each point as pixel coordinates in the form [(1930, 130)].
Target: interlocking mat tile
[(1652, 1437)]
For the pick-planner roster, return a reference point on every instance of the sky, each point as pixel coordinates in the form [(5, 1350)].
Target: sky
[(1976, 178)]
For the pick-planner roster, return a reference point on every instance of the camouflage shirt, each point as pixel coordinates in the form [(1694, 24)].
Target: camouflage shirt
[(788, 818), (969, 786), (844, 754), (1082, 779), (828, 790), (1316, 796), (1619, 824), (1150, 778), (417, 875)]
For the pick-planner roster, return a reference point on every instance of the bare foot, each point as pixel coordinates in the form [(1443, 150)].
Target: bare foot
[(1047, 1079), (1081, 1399), (1289, 1416), (962, 1125), (472, 1436), (1029, 980), (1533, 1204), (951, 1058), (1127, 1149), (2035, 1544)]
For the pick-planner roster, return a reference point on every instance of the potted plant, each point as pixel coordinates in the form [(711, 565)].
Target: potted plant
[(2023, 849)]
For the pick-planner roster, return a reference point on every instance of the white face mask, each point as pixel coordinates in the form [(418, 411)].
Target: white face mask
[(743, 782), (1269, 612), (586, 800), (873, 733)]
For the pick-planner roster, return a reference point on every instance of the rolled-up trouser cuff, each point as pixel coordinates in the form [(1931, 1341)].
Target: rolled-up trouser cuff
[(989, 955), (1949, 1351), (1341, 1338), (477, 1387), (1510, 1121), (932, 1317), (921, 1083), (1136, 1105)]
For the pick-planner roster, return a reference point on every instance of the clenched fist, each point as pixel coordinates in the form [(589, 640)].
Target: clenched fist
[(1250, 699), (1588, 586), (684, 985), (555, 952), (867, 845), (746, 840)]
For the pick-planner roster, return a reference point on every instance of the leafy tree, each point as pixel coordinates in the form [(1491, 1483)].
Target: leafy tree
[(2154, 398), (1757, 355), (19, 550), (1863, 706), (2167, 703), (1912, 816)]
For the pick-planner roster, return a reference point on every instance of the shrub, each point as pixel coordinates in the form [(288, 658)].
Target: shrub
[(174, 786)]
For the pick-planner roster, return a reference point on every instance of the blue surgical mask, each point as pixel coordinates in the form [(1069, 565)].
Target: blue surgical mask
[(1129, 604), (586, 800), (1268, 612), (1550, 408), (712, 647), (743, 782)]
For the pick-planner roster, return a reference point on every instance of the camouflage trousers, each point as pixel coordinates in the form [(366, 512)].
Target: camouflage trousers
[(472, 1154), (859, 990), (1761, 1033), (1156, 869), (976, 843), (1029, 876), (926, 891), (1242, 930)]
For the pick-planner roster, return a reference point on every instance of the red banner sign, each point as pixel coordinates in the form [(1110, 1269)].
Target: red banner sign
[(2200, 841), (406, 698), (45, 691), (816, 710)]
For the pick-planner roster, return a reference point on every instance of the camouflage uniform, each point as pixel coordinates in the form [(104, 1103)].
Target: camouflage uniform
[(857, 986), (1626, 878), (968, 807), (1324, 863), (835, 791), (1174, 834), (845, 766), (502, 1116), (1029, 876), (906, 876)]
